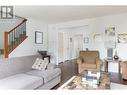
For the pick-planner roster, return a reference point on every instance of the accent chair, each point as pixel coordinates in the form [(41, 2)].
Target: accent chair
[(88, 60)]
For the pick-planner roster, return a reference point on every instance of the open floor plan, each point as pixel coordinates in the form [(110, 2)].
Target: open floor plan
[(63, 47)]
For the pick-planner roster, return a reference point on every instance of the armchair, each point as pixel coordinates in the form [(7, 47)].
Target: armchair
[(88, 60)]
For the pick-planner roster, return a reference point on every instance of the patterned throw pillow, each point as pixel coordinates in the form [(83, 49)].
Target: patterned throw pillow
[(46, 61), (40, 64)]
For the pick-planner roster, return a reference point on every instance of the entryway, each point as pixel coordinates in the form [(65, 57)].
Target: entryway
[(71, 41)]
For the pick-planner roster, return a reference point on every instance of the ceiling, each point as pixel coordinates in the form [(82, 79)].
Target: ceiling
[(56, 14)]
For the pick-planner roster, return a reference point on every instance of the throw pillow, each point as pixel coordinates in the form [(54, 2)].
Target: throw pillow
[(45, 63), (40, 64), (35, 65), (51, 66)]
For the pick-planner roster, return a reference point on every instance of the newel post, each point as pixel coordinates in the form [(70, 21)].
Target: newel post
[(6, 44)]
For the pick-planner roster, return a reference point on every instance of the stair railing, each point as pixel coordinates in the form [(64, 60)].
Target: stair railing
[(14, 37)]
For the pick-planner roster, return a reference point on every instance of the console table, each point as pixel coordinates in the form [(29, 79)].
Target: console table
[(44, 55), (107, 61)]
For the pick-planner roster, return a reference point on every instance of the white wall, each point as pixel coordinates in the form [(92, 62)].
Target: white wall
[(28, 47), (96, 26)]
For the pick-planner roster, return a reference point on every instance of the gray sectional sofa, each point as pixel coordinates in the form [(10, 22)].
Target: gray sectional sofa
[(16, 73)]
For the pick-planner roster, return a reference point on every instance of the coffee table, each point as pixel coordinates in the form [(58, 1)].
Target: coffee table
[(75, 83)]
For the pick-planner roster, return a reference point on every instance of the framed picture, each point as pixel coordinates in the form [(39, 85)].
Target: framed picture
[(110, 38), (97, 38), (86, 40), (70, 39), (122, 38), (38, 37), (110, 31)]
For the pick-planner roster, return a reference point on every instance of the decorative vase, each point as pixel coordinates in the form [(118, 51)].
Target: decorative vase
[(116, 56)]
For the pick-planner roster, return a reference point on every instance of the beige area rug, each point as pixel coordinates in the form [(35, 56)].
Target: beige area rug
[(114, 86)]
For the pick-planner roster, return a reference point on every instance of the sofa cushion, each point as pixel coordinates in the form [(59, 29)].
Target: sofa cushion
[(51, 66), (47, 74), (21, 81), (16, 65), (87, 65), (89, 56)]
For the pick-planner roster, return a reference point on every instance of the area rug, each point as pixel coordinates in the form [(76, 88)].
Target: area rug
[(114, 86)]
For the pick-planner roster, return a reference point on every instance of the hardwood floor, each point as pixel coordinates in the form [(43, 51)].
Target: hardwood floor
[(70, 68), (117, 78)]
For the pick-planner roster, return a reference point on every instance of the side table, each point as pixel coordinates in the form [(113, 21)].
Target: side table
[(113, 61)]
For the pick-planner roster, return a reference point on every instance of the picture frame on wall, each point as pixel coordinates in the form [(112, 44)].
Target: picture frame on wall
[(110, 37), (97, 38), (110, 31), (86, 40), (38, 37)]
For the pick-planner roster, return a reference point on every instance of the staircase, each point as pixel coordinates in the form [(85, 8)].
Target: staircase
[(14, 38)]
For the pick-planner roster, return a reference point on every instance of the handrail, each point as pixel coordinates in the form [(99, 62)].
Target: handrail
[(17, 25)]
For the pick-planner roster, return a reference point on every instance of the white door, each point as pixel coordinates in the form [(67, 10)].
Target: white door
[(78, 44), (60, 47), (65, 46), (70, 50)]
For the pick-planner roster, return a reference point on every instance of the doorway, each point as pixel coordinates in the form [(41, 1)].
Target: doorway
[(78, 44)]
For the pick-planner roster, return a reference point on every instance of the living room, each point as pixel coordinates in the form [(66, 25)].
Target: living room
[(62, 33)]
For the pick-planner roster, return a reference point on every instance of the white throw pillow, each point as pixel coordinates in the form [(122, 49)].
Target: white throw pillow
[(40, 64)]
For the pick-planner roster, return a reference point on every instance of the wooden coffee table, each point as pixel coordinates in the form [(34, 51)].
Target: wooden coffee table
[(75, 83)]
